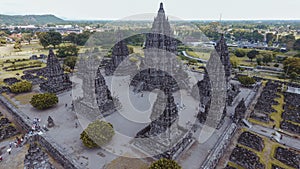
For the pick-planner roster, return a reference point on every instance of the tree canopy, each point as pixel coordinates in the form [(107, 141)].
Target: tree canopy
[(97, 134), (246, 80), (239, 52), (297, 45), (70, 50), (70, 61), (164, 163), (78, 39), (50, 38), (20, 87), (252, 54), (44, 101), (292, 65)]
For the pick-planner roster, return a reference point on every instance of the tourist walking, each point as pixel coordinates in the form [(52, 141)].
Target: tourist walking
[(9, 151)]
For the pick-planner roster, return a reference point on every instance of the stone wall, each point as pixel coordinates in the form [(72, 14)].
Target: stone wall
[(216, 153), (57, 152)]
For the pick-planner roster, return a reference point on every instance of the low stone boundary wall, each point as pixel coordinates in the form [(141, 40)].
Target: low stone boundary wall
[(57, 152), (213, 158)]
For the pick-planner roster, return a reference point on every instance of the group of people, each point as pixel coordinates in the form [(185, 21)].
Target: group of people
[(36, 124), (19, 142)]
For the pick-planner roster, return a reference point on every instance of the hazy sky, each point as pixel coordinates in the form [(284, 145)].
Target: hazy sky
[(184, 9)]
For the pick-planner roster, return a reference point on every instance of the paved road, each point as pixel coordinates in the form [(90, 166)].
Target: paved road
[(287, 140)]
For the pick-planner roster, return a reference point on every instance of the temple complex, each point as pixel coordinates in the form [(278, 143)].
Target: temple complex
[(57, 80)]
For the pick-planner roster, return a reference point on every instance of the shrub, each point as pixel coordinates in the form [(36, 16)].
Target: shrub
[(97, 134), (240, 53), (21, 87), (246, 80), (164, 164), (44, 101)]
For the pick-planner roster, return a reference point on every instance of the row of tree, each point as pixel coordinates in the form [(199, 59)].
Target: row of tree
[(55, 38)]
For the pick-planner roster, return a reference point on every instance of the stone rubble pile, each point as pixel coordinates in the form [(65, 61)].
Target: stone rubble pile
[(251, 140), (36, 158), (288, 157), (245, 158)]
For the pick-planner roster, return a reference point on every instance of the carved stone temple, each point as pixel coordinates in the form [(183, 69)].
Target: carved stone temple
[(203, 89), (57, 81), (87, 104), (160, 66), (239, 112), (222, 49), (120, 64), (163, 137), (106, 103)]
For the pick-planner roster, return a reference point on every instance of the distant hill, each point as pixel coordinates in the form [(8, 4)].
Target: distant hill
[(29, 19)]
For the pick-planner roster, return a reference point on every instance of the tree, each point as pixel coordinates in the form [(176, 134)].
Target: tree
[(78, 39), (164, 163), (267, 58), (70, 61), (44, 101), (239, 53), (293, 75), (27, 37), (289, 40), (297, 45), (70, 38), (270, 38), (18, 45), (252, 54), (292, 65), (55, 38), (64, 51), (21, 87), (246, 80), (257, 36), (44, 39), (258, 60), (97, 134), (50, 38), (82, 38)]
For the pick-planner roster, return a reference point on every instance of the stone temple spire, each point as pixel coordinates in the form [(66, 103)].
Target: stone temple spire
[(222, 49), (161, 8), (103, 95), (57, 81), (161, 24), (164, 113), (160, 36)]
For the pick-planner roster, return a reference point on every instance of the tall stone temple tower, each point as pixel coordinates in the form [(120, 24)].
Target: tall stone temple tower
[(87, 104), (57, 80), (164, 116), (160, 69), (104, 99), (160, 66), (222, 50), (120, 64)]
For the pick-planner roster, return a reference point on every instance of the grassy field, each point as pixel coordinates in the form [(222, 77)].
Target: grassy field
[(27, 50)]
